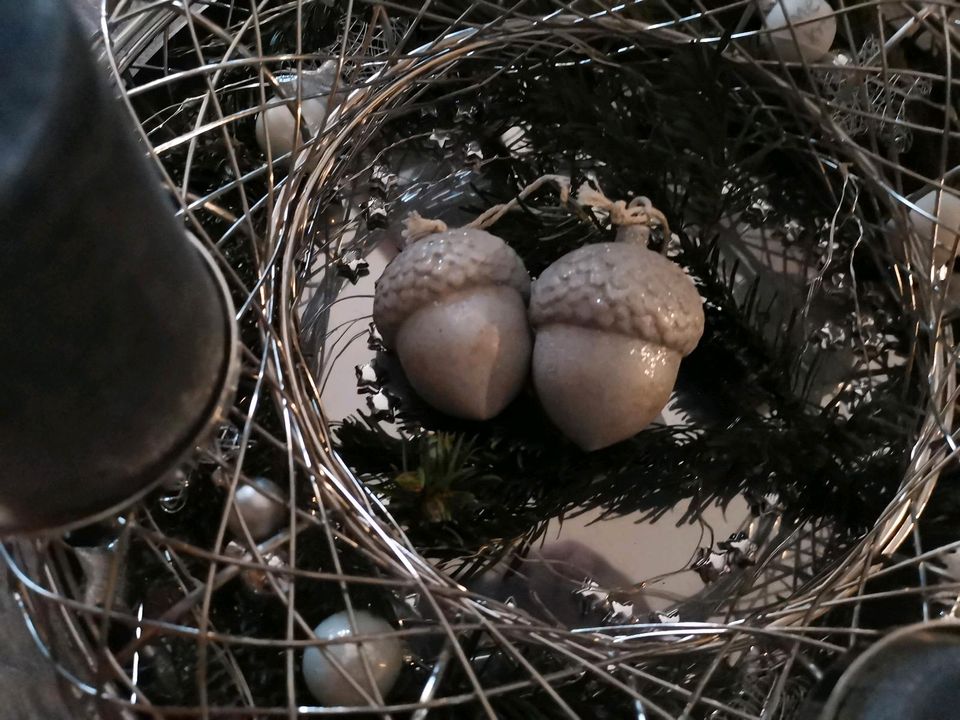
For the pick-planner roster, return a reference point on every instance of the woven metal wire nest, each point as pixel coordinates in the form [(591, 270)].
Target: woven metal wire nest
[(284, 228)]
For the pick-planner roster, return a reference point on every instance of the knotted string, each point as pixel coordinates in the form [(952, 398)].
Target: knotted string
[(417, 227), (640, 211), (639, 214)]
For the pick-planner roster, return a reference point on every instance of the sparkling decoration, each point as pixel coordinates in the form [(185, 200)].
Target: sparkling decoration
[(452, 306), (710, 564), (379, 657), (382, 179), (466, 112), (380, 405), (612, 322), (376, 213), (260, 512), (265, 580), (228, 442), (353, 266), (831, 336), (838, 283), (367, 378), (374, 340), (473, 152), (176, 496), (873, 100), (737, 551), (440, 138), (614, 609), (516, 140)]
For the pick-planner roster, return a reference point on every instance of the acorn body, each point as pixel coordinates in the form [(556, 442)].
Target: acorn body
[(604, 399), (452, 306), (612, 322)]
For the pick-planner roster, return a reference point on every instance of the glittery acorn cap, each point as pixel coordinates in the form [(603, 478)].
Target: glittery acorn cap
[(440, 264), (621, 287)]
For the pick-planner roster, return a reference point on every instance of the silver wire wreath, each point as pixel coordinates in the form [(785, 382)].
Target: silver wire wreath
[(770, 625)]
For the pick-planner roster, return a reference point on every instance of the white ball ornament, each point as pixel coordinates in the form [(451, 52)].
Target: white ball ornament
[(262, 514), (279, 123), (452, 306), (814, 26), (947, 227), (612, 321), (384, 655)]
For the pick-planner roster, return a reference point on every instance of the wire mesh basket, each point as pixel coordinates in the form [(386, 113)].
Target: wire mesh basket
[(172, 609)]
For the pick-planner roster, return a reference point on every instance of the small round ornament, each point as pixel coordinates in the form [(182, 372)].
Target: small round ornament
[(946, 245), (612, 321), (452, 306), (814, 27), (279, 123), (384, 655), (261, 513)]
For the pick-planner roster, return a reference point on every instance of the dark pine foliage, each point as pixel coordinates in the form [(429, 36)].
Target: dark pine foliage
[(681, 129)]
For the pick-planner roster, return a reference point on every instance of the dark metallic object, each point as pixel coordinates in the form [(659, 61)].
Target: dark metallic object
[(116, 330), (911, 674)]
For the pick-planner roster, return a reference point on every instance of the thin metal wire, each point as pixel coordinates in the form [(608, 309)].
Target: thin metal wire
[(274, 209)]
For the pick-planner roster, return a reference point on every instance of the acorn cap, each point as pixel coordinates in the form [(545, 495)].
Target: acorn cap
[(438, 265), (621, 287)]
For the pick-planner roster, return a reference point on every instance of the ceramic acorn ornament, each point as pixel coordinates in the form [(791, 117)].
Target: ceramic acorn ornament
[(452, 305), (382, 656), (278, 123), (612, 322), (811, 36)]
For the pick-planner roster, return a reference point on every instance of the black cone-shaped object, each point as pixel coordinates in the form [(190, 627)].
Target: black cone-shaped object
[(911, 674), (116, 333)]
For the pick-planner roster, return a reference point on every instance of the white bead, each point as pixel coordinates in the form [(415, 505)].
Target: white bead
[(280, 123), (384, 656), (948, 219), (813, 39), (261, 514)]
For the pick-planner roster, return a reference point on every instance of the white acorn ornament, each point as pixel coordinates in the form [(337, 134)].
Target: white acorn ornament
[(452, 306), (279, 123), (262, 514), (814, 29), (612, 321), (384, 658)]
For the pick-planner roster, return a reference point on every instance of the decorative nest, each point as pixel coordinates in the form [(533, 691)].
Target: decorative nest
[(166, 611)]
